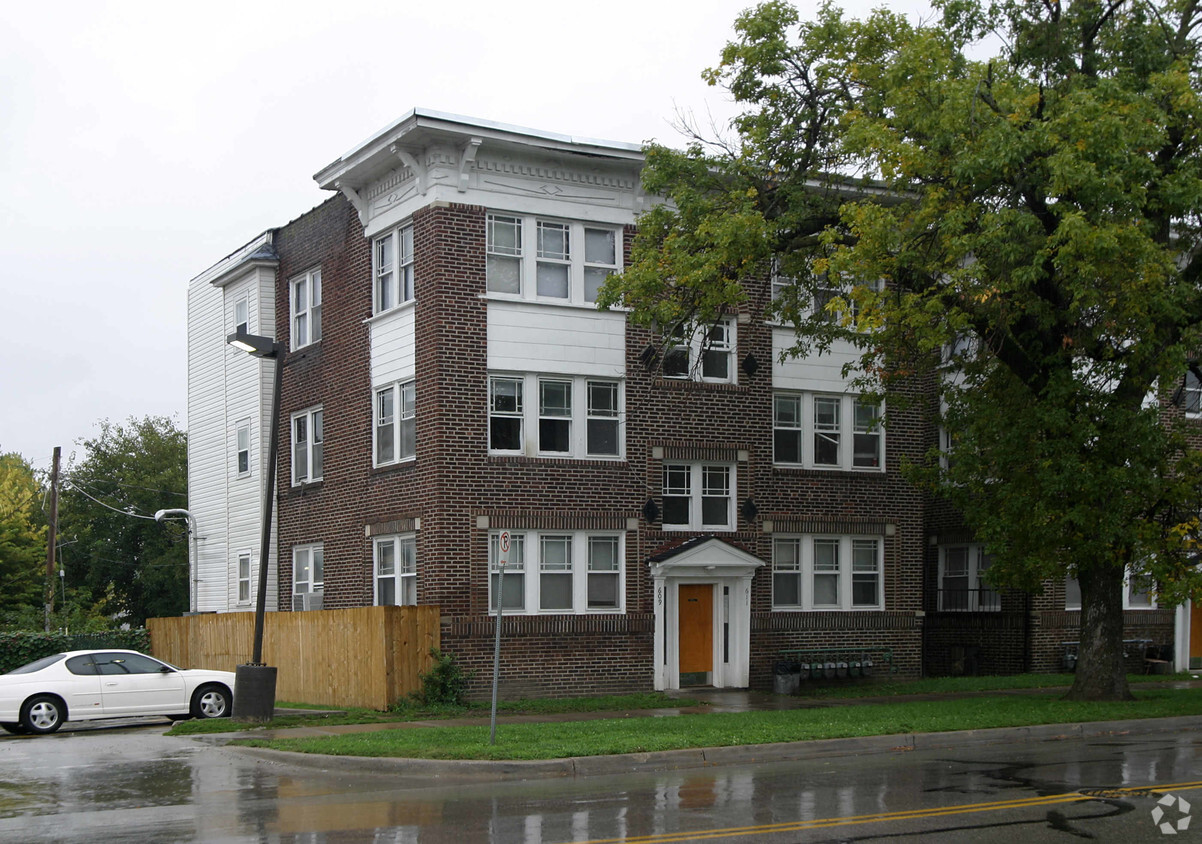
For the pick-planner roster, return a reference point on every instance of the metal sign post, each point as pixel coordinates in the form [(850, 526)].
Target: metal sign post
[(502, 560)]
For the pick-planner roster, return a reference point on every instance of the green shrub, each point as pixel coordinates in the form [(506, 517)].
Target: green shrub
[(444, 684), (17, 649)]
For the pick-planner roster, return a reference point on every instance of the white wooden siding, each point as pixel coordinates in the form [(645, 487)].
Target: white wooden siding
[(392, 346), (816, 373), (227, 386), (529, 337)]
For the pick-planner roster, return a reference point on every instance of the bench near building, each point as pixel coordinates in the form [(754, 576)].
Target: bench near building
[(691, 518)]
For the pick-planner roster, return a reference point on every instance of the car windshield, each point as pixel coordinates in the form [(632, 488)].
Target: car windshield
[(37, 664)]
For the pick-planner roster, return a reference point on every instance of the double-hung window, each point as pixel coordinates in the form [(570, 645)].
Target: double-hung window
[(308, 576), (395, 428), (562, 572), (554, 416), (828, 290), (827, 431), (1191, 395), (393, 269), (242, 314), (549, 260), (812, 572), (243, 577), (305, 299), (1139, 592), (242, 448), (963, 585), (574, 416), (308, 444), (395, 561), (698, 496), (703, 354)]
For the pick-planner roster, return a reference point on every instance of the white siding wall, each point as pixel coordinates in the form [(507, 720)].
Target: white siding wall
[(392, 347), (526, 337), (207, 441), (227, 386), (817, 373)]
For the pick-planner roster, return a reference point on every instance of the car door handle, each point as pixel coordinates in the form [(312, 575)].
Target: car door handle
[(113, 683)]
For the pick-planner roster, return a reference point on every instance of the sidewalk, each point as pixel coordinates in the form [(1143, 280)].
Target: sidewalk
[(696, 701)]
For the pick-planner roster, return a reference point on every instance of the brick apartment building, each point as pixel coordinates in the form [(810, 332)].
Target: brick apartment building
[(449, 385)]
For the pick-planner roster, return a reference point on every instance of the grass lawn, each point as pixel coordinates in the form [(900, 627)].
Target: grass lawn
[(632, 735)]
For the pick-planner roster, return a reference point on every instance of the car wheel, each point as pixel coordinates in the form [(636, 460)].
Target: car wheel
[(42, 714), (14, 728), (211, 701)]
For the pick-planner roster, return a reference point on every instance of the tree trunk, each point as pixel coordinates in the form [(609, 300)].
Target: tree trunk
[(1100, 670)]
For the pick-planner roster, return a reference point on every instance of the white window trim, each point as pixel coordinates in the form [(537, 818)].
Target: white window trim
[(401, 578), (244, 300), (310, 416), (402, 285), (398, 389), (312, 586), (1191, 396), (806, 572), (695, 346), (310, 309), (240, 581), (847, 431), (530, 568), (530, 415), (240, 428), (1152, 604), (529, 257), (696, 494), (981, 597)]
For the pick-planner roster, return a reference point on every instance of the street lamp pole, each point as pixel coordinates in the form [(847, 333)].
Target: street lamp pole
[(254, 682)]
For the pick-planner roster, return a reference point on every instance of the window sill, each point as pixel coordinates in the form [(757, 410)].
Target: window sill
[(827, 470), (382, 316), (566, 304)]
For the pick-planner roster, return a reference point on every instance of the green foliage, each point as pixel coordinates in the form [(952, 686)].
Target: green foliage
[(22, 536), (444, 684), (113, 550), (17, 649), (1040, 211)]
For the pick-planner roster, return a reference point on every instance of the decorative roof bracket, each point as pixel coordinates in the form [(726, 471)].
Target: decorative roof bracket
[(418, 169), (356, 200), (466, 157)]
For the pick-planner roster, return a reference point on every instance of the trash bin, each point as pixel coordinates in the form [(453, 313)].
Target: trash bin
[(785, 677)]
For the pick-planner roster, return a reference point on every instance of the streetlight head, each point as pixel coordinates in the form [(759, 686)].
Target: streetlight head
[(260, 347)]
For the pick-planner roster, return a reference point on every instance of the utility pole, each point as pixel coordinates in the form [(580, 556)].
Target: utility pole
[(52, 536)]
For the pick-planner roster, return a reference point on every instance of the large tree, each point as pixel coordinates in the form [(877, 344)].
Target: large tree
[(1039, 213), (111, 544), (22, 539)]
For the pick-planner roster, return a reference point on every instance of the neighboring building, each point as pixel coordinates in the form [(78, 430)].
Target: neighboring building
[(449, 384)]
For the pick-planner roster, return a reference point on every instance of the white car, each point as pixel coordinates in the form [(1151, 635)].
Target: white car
[(89, 685)]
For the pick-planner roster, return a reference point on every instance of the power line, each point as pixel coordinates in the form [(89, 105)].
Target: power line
[(75, 486)]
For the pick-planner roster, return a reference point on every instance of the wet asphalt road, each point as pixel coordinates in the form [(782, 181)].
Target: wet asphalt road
[(131, 783)]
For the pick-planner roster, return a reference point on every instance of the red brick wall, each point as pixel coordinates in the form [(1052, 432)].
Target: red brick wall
[(453, 481)]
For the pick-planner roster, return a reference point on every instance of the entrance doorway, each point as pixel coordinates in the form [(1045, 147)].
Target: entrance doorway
[(696, 634)]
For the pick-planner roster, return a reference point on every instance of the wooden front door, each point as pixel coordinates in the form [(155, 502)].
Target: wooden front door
[(696, 634)]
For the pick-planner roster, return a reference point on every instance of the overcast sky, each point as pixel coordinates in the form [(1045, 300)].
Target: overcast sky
[(140, 142)]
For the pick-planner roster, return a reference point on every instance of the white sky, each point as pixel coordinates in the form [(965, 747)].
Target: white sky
[(140, 142)]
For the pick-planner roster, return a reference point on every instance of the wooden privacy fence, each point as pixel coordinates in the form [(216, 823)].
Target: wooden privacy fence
[(368, 656)]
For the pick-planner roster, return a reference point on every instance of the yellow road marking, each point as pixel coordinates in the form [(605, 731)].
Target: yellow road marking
[(911, 814)]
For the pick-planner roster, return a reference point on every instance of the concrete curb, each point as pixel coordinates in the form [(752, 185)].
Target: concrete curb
[(447, 770)]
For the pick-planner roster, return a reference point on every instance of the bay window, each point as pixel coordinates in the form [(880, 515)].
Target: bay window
[(814, 572), (818, 431), (560, 572), (392, 257), (561, 261), (575, 416)]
